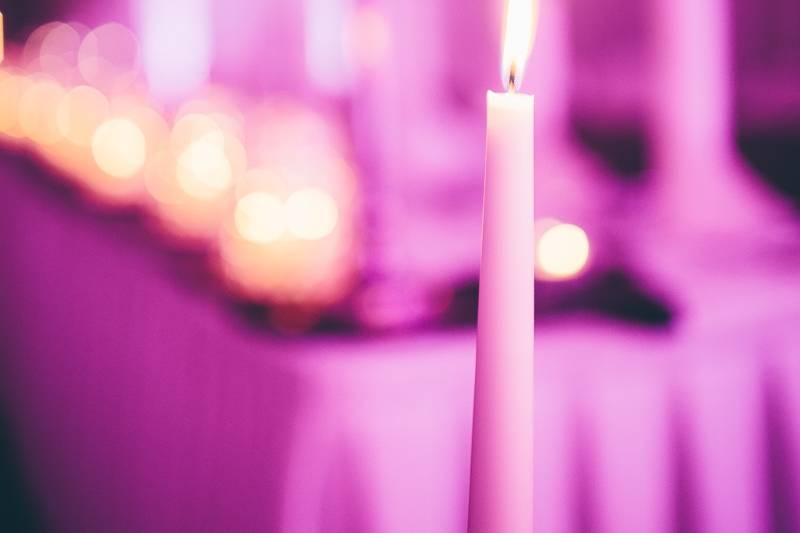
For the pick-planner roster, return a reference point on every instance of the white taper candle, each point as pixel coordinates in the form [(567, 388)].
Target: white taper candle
[(501, 477), (501, 487)]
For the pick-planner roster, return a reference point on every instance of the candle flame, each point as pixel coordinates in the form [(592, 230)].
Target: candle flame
[(520, 28)]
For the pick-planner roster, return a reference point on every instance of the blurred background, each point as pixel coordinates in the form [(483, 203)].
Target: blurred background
[(239, 249)]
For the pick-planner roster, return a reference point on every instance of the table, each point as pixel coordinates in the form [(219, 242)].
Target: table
[(143, 402)]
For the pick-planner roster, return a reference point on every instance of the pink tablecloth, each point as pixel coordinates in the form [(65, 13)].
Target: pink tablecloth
[(143, 403)]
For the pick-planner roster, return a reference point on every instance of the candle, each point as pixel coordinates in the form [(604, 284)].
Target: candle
[(501, 478)]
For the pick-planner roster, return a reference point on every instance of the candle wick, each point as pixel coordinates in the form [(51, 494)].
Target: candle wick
[(512, 79)]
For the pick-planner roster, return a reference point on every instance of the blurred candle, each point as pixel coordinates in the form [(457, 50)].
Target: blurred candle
[(177, 45), (501, 482)]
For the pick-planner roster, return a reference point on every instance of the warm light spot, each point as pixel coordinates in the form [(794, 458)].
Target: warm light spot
[(259, 218), (236, 154), (204, 170), (80, 113), (156, 179), (520, 27), (150, 121), (562, 251), (109, 58), (190, 128), (37, 111), (12, 89), (119, 148), (217, 102), (311, 213), (209, 156)]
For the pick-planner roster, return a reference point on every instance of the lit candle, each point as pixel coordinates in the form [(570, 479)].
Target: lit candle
[(501, 479)]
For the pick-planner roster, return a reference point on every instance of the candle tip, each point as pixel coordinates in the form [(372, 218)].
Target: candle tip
[(512, 79), (520, 26)]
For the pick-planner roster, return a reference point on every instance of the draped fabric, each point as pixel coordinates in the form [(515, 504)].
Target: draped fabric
[(140, 400)]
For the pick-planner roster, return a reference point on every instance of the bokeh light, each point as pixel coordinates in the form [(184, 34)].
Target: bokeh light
[(311, 213), (260, 218), (192, 178), (291, 244), (109, 58), (119, 148), (38, 109), (12, 88), (80, 113), (203, 170), (562, 252), (272, 183)]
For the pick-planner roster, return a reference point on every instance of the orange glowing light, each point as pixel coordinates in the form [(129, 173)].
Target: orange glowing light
[(209, 157), (193, 127), (520, 29), (284, 232), (562, 251), (217, 103), (80, 113), (259, 218), (152, 123), (204, 170), (288, 270), (193, 175), (311, 213), (290, 238), (12, 88), (38, 108), (156, 180), (119, 148)]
